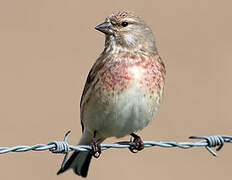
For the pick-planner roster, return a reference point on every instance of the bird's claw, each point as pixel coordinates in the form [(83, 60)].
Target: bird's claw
[(96, 148), (138, 145)]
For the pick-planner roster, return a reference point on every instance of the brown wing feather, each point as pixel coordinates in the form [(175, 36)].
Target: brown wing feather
[(90, 79)]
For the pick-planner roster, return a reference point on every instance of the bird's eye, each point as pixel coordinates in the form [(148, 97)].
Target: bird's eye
[(124, 24)]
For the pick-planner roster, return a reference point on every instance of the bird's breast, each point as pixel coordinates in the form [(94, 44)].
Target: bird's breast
[(119, 75)]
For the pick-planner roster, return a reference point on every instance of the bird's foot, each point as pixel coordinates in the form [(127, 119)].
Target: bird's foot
[(96, 148), (138, 144)]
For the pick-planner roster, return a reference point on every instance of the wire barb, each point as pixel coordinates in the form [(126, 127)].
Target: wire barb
[(61, 147), (212, 141)]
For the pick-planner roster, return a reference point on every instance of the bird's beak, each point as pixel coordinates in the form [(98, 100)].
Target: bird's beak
[(104, 27)]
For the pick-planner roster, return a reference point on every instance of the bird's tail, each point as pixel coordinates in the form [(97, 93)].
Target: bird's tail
[(79, 161)]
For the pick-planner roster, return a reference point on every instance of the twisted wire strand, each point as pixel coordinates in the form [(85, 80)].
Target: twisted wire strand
[(63, 147), (208, 142)]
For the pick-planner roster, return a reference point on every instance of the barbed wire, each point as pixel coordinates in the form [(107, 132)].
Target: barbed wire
[(63, 147), (208, 142)]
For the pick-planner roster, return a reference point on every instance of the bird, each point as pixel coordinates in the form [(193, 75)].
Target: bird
[(123, 90)]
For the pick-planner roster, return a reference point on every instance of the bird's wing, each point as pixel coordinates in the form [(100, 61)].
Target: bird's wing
[(90, 82)]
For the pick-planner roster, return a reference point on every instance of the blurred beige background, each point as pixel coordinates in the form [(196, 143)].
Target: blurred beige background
[(47, 48)]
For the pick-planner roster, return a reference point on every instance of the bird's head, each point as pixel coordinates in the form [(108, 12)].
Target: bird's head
[(128, 31)]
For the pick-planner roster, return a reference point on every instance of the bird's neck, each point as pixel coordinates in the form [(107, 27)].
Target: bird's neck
[(138, 53), (119, 55)]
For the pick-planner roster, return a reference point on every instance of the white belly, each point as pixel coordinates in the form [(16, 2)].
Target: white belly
[(124, 113)]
